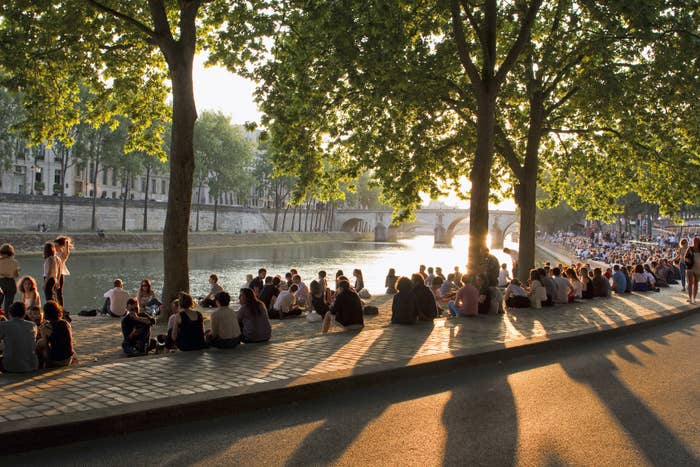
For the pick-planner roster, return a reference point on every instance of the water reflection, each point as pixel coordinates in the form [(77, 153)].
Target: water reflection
[(93, 274)]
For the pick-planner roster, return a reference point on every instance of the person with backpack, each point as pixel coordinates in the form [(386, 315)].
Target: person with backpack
[(692, 267)]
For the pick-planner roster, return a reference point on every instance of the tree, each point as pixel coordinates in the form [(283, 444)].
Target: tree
[(408, 88), (223, 158), (11, 114), (127, 50)]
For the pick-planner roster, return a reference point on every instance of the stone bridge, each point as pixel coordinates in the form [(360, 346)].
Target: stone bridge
[(442, 222)]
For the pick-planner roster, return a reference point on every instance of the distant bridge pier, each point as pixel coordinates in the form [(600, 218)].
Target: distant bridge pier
[(441, 236)]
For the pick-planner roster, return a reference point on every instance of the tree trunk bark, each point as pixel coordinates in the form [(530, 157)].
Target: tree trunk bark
[(199, 201), (145, 200), (277, 207), (177, 219), (301, 208), (284, 218), (528, 189), (64, 167), (126, 196), (93, 219), (216, 206), (306, 218), (481, 174), (294, 216)]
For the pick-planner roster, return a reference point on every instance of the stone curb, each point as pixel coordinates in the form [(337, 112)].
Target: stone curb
[(147, 415)]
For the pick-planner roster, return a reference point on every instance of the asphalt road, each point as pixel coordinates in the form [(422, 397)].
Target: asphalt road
[(633, 400)]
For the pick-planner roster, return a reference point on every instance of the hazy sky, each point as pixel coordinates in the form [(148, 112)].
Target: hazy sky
[(217, 89)]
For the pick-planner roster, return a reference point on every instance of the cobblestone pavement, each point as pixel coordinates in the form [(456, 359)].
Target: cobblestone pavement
[(298, 350)]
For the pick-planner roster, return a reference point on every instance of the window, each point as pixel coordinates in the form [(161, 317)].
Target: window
[(114, 195), (91, 169), (114, 178), (162, 187), (20, 170), (143, 185), (57, 177), (104, 177), (154, 187)]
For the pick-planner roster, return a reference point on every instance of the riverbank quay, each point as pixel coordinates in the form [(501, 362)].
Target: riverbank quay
[(26, 243), (118, 396)]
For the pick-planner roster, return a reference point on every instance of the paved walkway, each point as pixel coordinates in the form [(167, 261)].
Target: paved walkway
[(110, 386)]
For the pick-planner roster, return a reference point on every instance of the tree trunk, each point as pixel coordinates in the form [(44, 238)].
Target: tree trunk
[(216, 206), (277, 207), (306, 218), (145, 200), (64, 167), (126, 196), (93, 220), (177, 219), (481, 174), (294, 216), (301, 208), (199, 201), (284, 218), (528, 189)]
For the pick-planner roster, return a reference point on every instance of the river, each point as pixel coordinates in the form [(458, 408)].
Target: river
[(93, 274)]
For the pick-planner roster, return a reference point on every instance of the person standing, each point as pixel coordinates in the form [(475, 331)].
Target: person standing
[(52, 272), (9, 272), (692, 263), (682, 250), (63, 247)]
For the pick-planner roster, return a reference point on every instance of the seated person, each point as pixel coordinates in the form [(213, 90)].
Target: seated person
[(225, 333), (640, 282), (35, 315), (515, 296), (466, 301), (136, 329), (318, 299), (346, 311), (302, 295), (549, 285), (55, 347), (286, 305), (425, 300), (564, 287), (188, 327), (166, 340), (270, 291), (537, 291), (252, 318), (115, 300), (19, 337), (208, 301), (390, 282), (146, 296), (259, 281), (601, 286), (404, 309), (619, 281), (448, 289), (503, 275)]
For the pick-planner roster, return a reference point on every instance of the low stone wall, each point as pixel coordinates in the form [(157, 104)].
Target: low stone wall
[(26, 212), (31, 242)]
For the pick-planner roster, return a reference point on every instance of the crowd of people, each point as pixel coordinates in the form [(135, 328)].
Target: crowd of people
[(41, 337)]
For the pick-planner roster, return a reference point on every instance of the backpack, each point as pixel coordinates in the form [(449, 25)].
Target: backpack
[(371, 310), (689, 258)]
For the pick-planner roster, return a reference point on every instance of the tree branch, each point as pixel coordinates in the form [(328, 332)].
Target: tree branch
[(124, 17), (505, 149), (560, 102), (474, 24), (520, 41), (462, 49)]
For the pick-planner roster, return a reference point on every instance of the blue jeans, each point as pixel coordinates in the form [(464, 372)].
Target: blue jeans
[(454, 309), (681, 266)]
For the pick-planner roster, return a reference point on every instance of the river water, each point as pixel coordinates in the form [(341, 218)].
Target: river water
[(93, 274)]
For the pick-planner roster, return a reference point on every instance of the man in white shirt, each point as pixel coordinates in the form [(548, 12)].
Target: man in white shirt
[(225, 332), (115, 303), (302, 295), (564, 287), (286, 305)]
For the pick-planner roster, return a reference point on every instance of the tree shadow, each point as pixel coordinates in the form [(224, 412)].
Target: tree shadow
[(657, 442)]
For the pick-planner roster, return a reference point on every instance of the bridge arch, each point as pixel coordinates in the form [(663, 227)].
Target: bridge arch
[(354, 224)]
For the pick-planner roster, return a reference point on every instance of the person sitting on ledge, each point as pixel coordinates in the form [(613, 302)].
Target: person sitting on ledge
[(136, 329), (425, 300), (55, 348), (208, 301), (619, 281), (115, 300), (404, 309), (466, 301), (19, 337), (346, 311), (252, 318), (286, 305), (390, 281), (225, 333), (640, 283), (515, 296), (188, 327)]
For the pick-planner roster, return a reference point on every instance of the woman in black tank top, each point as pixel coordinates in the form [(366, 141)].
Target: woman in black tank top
[(189, 326)]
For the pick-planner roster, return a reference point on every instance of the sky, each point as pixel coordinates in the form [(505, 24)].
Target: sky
[(215, 88)]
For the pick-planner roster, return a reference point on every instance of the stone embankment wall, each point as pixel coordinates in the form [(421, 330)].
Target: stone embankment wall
[(26, 212), (32, 243)]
